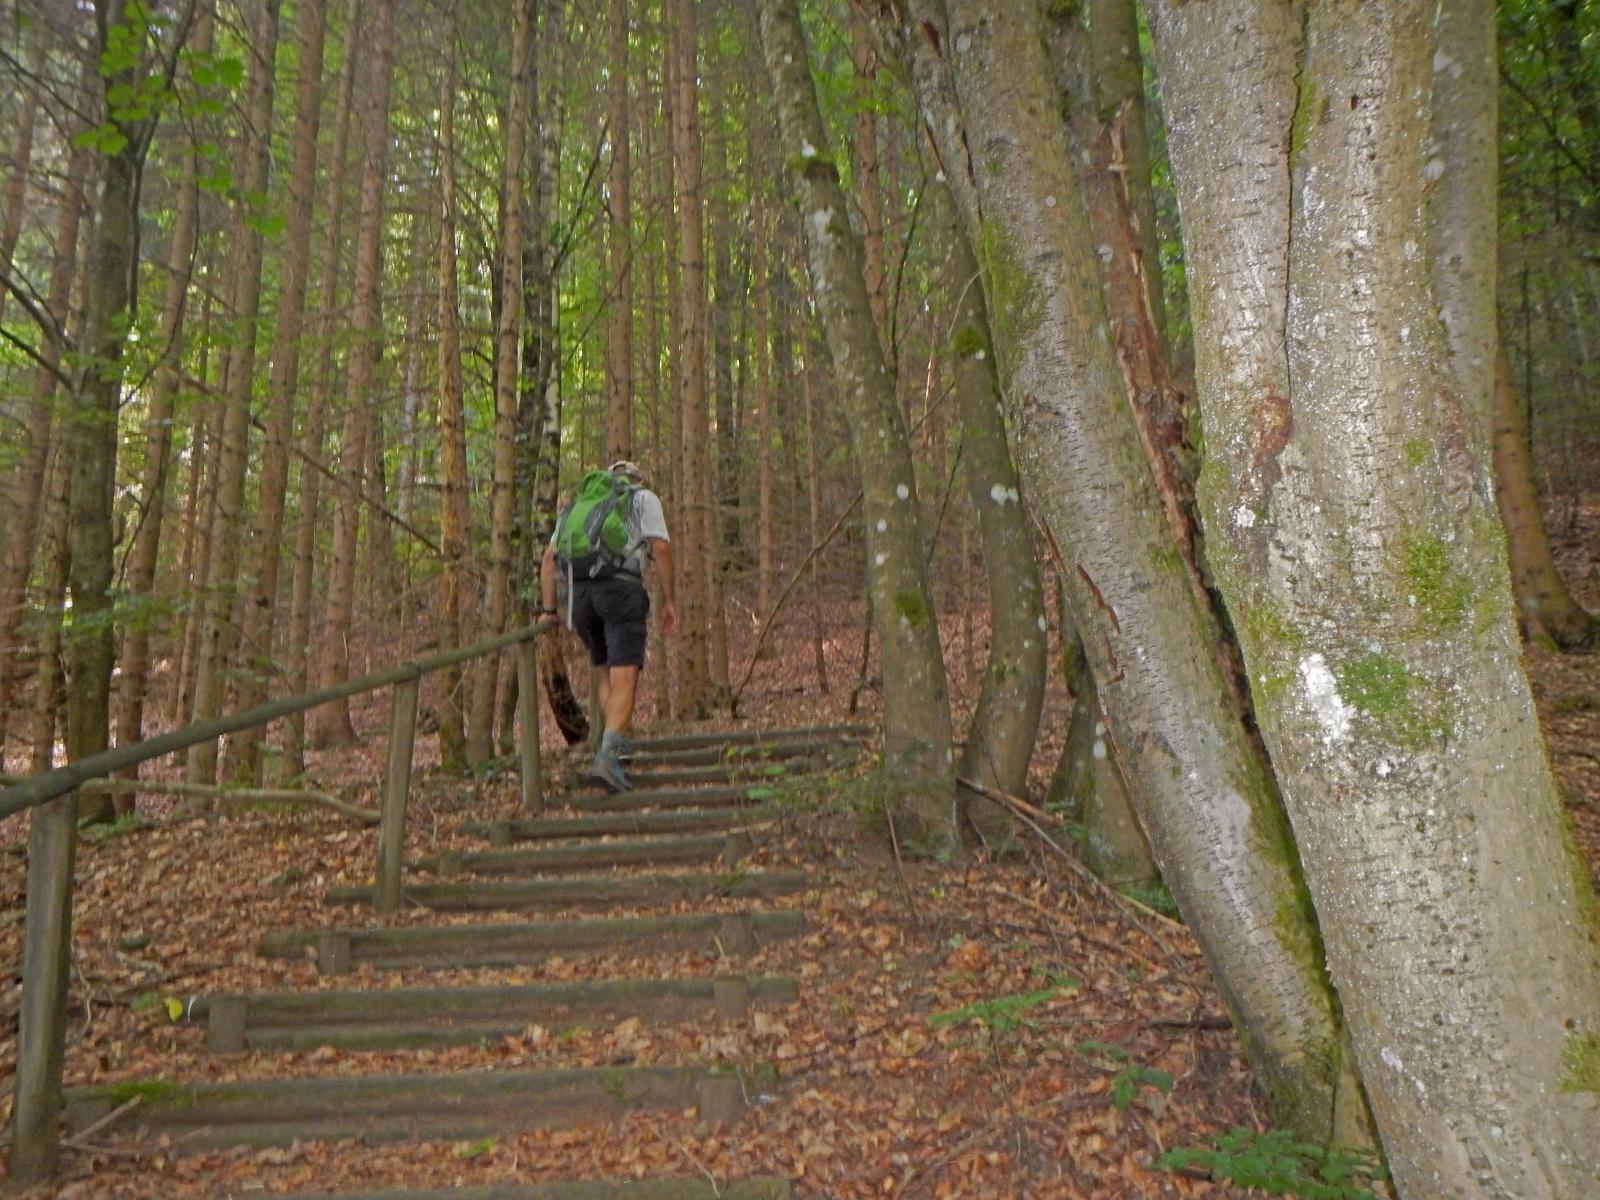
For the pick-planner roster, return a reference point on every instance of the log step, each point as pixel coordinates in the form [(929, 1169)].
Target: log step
[(504, 833), (456, 1105), (341, 950), (733, 752), (726, 848), (578, 776), (718, 737), (725, 796), (638, 1189), (593, 891), (427, 1017)]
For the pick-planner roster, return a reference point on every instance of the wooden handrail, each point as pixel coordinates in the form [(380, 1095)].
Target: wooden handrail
[(40, 788), (52, 838)]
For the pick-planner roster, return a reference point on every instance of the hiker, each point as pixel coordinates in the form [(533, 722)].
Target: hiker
[(603, 539)]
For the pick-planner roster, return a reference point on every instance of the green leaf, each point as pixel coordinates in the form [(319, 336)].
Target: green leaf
[(474, 1149)]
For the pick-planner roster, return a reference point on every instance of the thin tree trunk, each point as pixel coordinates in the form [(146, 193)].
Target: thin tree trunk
[(762, 352), (917, 741), (1005, 722), (21, 163), (140, 566), (497, 585), (68, 265), (55, 560), (619, 328), (1352, 525), (244, 270), (454, 517), (1544, 602), (333, 726), (690, 538), (298, 641), (256, 636)]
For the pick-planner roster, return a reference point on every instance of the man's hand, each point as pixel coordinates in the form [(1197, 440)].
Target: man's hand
[(669, 617)]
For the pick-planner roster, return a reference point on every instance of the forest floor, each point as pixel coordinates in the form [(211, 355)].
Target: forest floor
[(899, 1074)]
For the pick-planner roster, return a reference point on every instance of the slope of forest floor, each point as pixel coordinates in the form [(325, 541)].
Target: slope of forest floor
[(900, 1074)]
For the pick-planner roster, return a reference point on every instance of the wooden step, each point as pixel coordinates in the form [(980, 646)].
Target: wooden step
[(454, 1105), (715, 737), (674, 777), (723, 796), (505, 833), (584, 891), (634, 1189), (734, 752), (446, 946), (426, 1017), (724, 848)]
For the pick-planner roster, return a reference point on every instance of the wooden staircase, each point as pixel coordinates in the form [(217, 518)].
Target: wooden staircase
[(683, 838)]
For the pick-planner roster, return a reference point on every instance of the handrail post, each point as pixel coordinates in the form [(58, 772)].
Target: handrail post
[(528, 701), (396, 786), (46, 957)]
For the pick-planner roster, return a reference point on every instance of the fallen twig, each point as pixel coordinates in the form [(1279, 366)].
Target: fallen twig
[(83, 1135)]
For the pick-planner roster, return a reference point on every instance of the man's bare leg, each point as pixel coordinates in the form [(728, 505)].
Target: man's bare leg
[(617, 695)]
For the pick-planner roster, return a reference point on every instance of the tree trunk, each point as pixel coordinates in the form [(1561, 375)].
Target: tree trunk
[(1352, 525), (762, 353), (1005, 722), (454, 516), (140, 566), (244, 270), (1544, 602), (68, 265), (91, 429), (917, 742), (1205, 799), (497, 582), (333, 727), (619, 202), (256, 636), (300, 635), (691, 523), (16, 202)]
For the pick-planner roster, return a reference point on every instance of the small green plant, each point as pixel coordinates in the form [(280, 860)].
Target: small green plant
[(1133, 1077), (474, 1149), (1102, 1050), (128, 822), (1153, 895), (999, 1016), (1275, 1162)]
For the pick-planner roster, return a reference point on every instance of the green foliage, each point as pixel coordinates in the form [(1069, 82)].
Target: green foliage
[(129, 822), (1275, 1162), (1131, 1078), (1580, 1057), (1155, 895), (999, 1016), (153, 1092), (474, 1149)]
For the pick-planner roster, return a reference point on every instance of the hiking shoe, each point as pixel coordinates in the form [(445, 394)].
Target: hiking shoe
[(623, 748), (607, 771)]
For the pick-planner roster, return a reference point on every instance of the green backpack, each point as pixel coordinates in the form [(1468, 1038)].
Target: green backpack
[(591, 533)]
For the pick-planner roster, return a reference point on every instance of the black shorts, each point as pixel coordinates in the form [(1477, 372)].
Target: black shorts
[(610, 616)]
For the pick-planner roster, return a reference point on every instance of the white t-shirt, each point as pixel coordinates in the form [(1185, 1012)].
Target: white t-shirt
[(645, 520)]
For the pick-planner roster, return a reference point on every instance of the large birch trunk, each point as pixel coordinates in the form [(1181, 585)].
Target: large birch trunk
[(916, 711), (1204, 797), (1352, 524)]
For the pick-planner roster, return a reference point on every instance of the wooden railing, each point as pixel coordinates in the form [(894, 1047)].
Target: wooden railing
[(52, 844)]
